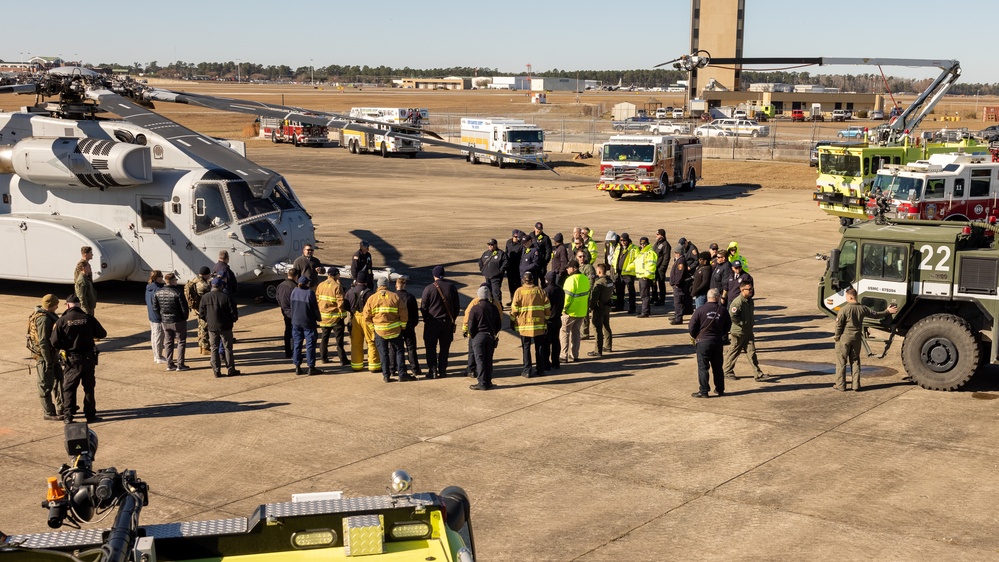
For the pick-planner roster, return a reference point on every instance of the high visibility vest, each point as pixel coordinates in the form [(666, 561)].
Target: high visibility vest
[(645, 263), (628, 267), (577, 295), (591, 248)]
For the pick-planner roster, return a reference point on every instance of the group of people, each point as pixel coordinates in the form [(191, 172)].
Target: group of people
[(64, 347), (210, 296), (557, 291)]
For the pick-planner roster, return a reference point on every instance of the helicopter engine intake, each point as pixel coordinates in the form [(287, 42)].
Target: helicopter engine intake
[(76, 162)]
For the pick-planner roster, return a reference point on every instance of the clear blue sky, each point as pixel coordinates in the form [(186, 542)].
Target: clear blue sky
[(578, 34)]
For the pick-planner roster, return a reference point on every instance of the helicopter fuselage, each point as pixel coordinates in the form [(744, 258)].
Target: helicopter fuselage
[(139, 200)]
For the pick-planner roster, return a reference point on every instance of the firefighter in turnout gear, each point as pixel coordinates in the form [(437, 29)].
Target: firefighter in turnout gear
[(528, 317), (332, 316), (387, 317), (354, 300)]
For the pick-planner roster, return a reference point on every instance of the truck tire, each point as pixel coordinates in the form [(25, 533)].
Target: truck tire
[(353, 146), (473, 158), (274, 137), (661, 189), (755, 134), (691, 180), (615, 194), (294, 140), (385, 152), (940, 352), (500, 164)]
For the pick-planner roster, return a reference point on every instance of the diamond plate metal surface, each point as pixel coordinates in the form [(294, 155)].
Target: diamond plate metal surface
[(198, 528), (363, 535), (348, 505), (60, 539)]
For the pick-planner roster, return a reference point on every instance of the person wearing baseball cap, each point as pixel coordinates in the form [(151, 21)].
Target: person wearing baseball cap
[(560, 258), (40, 325), (219, 314), (493, 265), (76, 333), (305, 318), (514, 252), (439, 308), (544, 251), (362, 261), (664, 253)]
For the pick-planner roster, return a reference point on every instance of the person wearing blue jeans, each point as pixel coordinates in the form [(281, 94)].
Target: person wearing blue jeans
[(304, 321)]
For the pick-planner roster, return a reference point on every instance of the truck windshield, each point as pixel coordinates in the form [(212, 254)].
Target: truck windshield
[(896, 187), (839, 164), (525, 136), (629, 152)]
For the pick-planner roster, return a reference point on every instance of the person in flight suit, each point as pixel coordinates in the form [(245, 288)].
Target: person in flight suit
[(849, 337)]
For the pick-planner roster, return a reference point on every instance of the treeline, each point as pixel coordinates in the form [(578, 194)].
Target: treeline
[(646, 78)]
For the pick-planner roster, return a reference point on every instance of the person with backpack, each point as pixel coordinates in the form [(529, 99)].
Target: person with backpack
[(194, 289), (40, 325)]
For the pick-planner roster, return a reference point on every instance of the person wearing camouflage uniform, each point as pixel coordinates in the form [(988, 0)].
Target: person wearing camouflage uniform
[(196, 288), (47, 366)]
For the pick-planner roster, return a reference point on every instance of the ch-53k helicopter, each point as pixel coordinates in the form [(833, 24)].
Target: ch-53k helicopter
[(143, 191)]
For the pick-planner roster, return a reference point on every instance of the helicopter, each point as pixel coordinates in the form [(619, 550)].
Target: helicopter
[(144, 192)]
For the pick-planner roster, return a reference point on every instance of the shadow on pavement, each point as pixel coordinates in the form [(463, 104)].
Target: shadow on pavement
[(178, 409)]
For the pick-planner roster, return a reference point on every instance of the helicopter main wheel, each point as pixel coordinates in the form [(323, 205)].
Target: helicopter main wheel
[(385, 152)]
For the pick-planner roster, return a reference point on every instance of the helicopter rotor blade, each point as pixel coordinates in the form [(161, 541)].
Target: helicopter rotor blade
[(19, 89), (198, 147)]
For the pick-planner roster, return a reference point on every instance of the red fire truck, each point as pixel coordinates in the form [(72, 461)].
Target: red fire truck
[(299, 134), (953, 186), (649, 164)]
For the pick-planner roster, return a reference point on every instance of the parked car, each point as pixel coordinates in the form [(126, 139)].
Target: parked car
[(710, 130), (743, 127), (633, 124), (856, 132), (841, 115), (989, 134), (876, 115), (739, 114), (797, 115), (678, 113)]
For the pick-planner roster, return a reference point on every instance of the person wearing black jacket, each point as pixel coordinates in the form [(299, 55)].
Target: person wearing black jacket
[(362, 262), (409, 332), (664, 251), (75, 333), (531, 259), (493, 264), (702, 280), (708, 326), (689, 252), (720, 276), (679, 279), (514, 251), (560, 259), (219, 313), (483, 328), (439, 307), (551, 349), (544, 250), (284, 301), (171, 306)]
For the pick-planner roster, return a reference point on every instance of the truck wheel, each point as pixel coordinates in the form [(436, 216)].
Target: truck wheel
[(755, 134), (940, 352), (660, 190), (274, 137), (385, 152), (691, 180), (473, 158), (500, 163), (615, 194)]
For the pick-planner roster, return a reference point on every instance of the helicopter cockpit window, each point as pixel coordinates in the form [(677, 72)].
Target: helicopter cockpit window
[(244, 204), (281, 196), (261, 233), (151, 214), (210, 210)]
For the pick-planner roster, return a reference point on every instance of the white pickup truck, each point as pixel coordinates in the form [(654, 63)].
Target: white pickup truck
[(669, 128)]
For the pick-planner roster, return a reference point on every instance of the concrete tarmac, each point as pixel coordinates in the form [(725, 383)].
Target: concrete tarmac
[(607, 459)]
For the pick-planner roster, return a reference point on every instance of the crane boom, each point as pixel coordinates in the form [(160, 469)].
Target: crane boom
[(889, 133)]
